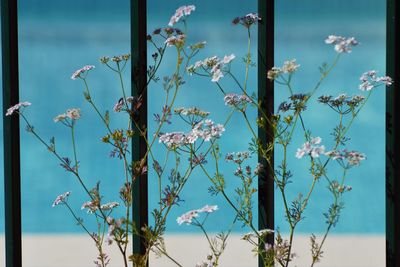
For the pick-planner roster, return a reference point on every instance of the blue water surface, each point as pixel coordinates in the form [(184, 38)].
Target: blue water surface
[(58, 37)]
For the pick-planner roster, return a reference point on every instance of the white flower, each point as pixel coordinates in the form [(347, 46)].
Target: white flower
[(16, 107), (208, 209), (235, 100), (109, 206), (217, 75), (228, 59), (78, 73), (175, 40), (60, 117), (366, 86), (290, 66), (352, 157), (187, 217), (342, 44), (181, 12), (90, 205), (311, 148), (316, 140), (73, 113), (119, 105), (190, 215), (370, 80), (316, 151), (173, 139), (61, 198)]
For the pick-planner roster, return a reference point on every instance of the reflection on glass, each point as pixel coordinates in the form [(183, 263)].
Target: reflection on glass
[(186, 243), (301, 29), (55, 39)]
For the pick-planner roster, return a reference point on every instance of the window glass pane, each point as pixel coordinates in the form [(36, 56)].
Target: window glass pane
[(2, 246), (55, 39), (301, 28), (210, 22)]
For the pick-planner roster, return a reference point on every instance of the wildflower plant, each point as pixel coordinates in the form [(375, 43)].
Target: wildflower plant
[(197, 146)]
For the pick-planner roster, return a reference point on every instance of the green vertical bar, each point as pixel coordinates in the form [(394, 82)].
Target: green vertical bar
[(139, 84), (392, 136), (266, 95), (12, 194)]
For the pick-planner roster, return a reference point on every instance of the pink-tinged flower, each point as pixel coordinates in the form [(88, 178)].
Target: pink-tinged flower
[(207, 130), (16, 107), (370, 80), (181, 12), (208, 209), (290, 66), (366, 86), (248, 20), (90, 206), (353, 158), (119, 105), (342, 44), (217, 75), (236, 100), (78, 73), (177, 40), (74, 113), (228, 59), (187, 217), (109, 206), (311, 148), (61, 198), (385, 80), (175, 139), (60, 117)]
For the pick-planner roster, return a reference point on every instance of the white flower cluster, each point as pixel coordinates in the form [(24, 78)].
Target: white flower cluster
[(214, 64), (205, 130), (190, 215), (288, 67), (16, 107), (369, 80), (61, 198), (236, 100), (78, 73), (353, 158), (177, 40), (342, 44), (312, 148), (181, 12), (73, 114)]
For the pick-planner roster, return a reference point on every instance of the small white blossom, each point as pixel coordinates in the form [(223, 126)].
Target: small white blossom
[(74, 113), (109, 206), (78, 73), (177, 40), (90, 205), (208, 209), (60, 117), (217, 75), (290, 66), (181, 12), (119, 105), (311, 148), (187, 217), (16, 107), (228, 59), (342, 44), (370, 80), (61, 198)]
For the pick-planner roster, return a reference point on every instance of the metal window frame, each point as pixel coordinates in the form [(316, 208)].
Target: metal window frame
[(12, 189)]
